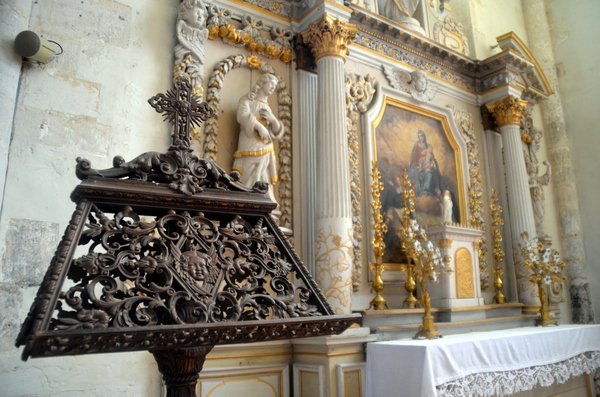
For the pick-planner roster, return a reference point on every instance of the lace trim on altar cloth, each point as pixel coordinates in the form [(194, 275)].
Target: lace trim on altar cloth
[(505, 383)]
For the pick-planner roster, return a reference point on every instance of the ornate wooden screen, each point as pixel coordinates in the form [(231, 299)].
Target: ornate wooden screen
[(167, 252)]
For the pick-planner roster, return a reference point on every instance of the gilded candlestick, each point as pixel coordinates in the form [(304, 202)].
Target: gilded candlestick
[(377, 268), (427, 261), (497, 223), (546, 267)]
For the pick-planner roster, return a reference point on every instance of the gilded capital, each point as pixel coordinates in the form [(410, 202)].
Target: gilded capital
[(508, 111), (329, 37)]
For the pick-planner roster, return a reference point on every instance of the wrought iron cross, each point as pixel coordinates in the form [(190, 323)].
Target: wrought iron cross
[(183, 109)]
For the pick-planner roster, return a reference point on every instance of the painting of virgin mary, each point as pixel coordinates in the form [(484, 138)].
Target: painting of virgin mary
[(423, 169), (419, 143)]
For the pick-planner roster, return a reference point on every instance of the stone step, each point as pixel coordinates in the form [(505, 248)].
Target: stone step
[(394, 332), (397, 317)]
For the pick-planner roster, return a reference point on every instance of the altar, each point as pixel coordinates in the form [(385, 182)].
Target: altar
[(496, 363)]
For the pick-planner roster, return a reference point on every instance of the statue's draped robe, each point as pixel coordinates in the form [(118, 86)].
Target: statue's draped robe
[(255, 157)]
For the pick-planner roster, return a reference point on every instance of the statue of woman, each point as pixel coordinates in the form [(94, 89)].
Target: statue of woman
[(191, 34), (255, 156)]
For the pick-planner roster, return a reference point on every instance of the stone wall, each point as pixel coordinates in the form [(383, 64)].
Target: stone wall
[(88, 102)]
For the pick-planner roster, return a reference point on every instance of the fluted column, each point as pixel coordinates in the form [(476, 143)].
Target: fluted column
[(329, 39), (508, 113), (307, 127)]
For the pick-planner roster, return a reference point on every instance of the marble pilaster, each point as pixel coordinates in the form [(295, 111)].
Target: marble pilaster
[(508, 113), (329, 39)]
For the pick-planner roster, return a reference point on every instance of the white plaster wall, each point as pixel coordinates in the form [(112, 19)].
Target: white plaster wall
[(484, 20), (574, 31), (88, 102)]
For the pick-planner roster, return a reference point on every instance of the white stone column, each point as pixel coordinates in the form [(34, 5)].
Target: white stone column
[(565, 188), (508, 113), (329, 39), (307, 127)]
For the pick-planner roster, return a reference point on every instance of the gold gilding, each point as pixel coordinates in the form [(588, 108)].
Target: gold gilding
[(445, 243), (508, 111), (329, 37), (464, 274), (497, 223), (380, 229)]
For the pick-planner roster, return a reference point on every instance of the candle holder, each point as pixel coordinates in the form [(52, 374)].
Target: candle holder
[(377, 268), (427, 261), (546, 267), (410, 285), (497, 271)]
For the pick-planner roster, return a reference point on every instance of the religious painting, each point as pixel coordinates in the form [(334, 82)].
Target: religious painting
[(419, 141)]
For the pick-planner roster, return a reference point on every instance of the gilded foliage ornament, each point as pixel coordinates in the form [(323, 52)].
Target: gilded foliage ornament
[(278, 44), (329, 37), (467, 126), (359, 94), (508, 111)]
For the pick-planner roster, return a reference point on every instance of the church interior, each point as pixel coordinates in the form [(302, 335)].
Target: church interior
[(386, 197)]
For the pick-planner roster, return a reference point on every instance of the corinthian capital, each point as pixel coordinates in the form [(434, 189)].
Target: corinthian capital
[(329, 37), (508, 111)]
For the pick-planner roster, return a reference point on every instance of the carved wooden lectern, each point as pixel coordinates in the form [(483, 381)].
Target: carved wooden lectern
[(168, 253)]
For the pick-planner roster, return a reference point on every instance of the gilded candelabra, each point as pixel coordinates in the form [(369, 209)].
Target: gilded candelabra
[(377, 268), (497, 223), (427, 261), (546, 267)]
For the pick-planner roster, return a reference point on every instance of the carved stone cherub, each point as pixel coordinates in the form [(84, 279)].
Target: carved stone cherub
[(191, 35), (415, 83)]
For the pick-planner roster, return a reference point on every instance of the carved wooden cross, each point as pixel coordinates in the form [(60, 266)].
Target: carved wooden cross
[(183, 109)]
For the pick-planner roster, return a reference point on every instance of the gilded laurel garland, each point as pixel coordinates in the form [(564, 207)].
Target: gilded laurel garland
[(284, 100), (332, 253), (277, 46), (497, 223), (544, 267), (467, 127), (359, 94), (380, 229), (428, 261)]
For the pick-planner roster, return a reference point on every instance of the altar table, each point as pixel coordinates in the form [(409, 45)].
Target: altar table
[(496, 363)]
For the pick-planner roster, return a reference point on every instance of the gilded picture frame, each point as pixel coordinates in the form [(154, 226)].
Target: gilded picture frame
[(425, 143)]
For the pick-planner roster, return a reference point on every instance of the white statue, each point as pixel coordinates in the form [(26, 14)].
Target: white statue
[(447, 207), (191, 34), (537, 182), (414, 83), (401, 12), (398, 9), (255, 156)]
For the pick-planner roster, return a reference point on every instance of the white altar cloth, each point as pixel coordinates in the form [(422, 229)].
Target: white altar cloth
[(461, 365)]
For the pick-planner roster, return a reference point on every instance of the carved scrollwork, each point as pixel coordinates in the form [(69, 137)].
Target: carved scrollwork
[(451, 34), (467, 126), (180, 268), (359, 94)]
